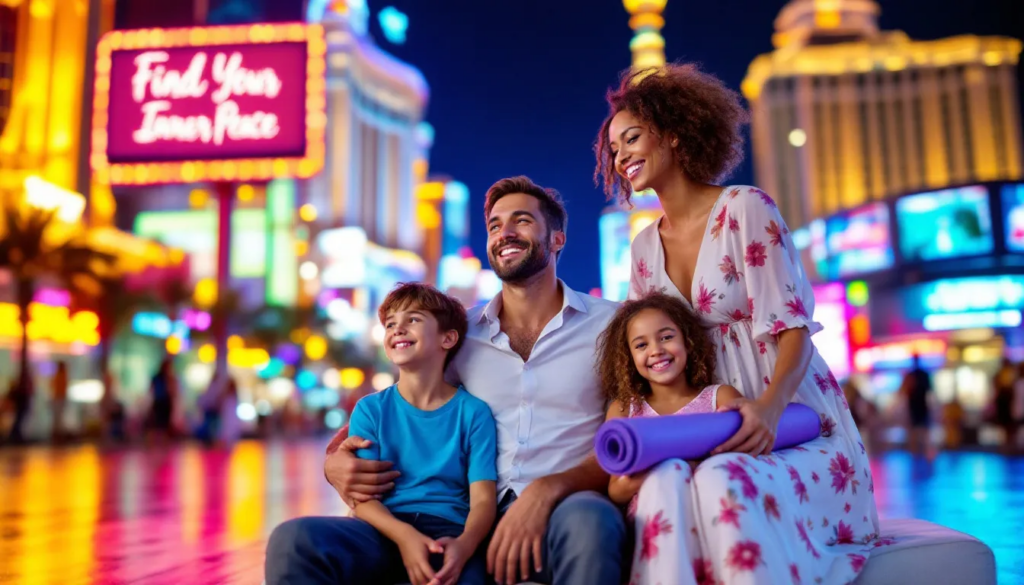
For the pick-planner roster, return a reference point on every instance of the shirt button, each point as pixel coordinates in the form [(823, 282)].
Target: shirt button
[(522, 441)]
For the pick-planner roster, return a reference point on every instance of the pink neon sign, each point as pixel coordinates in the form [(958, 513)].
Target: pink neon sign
[(217, 102)]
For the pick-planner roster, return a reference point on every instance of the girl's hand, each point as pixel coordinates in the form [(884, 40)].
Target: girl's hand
[(757, 434), (624, 487)]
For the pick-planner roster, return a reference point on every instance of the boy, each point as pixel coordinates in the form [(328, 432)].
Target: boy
[(441, 440)]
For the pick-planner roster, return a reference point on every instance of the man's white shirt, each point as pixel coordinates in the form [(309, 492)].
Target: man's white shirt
[(547, 409)]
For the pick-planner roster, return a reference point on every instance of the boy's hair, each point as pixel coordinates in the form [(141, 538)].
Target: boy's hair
[(449, 312), (620, 379)]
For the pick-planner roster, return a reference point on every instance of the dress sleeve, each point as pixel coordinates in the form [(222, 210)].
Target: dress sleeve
[(779, 296), (640, 274)]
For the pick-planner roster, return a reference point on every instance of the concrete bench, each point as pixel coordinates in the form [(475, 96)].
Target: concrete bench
[(926, 553)]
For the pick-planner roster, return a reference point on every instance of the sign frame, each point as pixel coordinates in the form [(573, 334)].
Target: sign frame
[(213, 169)]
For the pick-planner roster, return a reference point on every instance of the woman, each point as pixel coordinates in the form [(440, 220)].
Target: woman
[(748, 515)]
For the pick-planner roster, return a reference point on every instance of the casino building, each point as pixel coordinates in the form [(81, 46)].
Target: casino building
[(897, 164)]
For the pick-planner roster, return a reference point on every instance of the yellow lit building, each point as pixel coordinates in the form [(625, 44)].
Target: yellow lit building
[(843, 113), (45, 55)]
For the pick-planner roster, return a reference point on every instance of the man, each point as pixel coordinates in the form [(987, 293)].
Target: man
[(530, 355)]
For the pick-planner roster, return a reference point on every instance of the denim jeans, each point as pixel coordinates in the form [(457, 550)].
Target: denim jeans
[(586, 544), (348, 551)]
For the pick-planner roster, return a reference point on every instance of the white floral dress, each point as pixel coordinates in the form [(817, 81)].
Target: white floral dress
[(802, 515)]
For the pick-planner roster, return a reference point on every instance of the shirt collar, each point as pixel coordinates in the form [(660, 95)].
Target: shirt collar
[(570, 299)]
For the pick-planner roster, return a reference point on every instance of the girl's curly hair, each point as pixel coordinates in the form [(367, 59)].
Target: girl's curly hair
[(620, 379), (681, 100)]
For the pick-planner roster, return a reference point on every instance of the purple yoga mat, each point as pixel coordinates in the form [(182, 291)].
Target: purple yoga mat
[(625, 446)]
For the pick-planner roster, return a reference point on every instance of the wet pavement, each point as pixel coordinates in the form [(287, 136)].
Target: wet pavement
[(183, 514)]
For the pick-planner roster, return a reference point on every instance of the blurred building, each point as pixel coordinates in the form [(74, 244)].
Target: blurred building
[(844, 113), (46, 55), (896, 163)]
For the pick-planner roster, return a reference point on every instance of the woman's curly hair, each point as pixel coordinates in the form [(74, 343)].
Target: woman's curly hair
[(620, 379), (681, 100)]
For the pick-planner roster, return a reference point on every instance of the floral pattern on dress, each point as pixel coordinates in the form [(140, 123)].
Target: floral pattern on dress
[(729, 271), (726, 513)]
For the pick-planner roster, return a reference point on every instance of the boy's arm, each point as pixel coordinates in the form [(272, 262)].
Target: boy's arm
[(377, 515), (483, 507)]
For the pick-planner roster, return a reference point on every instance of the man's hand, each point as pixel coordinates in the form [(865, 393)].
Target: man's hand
[(357, 480), (520, 535), (416, 549), (456, 553)]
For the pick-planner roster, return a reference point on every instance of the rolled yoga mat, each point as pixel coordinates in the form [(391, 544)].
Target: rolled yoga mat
[(625, 446)]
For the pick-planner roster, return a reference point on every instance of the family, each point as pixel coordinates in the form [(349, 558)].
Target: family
[(478, 464)]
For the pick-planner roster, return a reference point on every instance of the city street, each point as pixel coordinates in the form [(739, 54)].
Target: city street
[(181, 514)]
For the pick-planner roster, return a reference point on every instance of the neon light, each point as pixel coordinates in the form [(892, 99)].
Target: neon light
[(950, 321), (897, 353), (197, 320), (160, 325), (857, 293), (48, 323), (394, 24), (40, 193), (306, 380), (228, 103), (52, 297), (974, 294)]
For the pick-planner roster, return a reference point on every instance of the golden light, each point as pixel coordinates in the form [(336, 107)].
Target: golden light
[(173, 345), (301, 247), (316, 347), (432, 191), (352, 378), (206, 293), (246, 193), (47, 322), (427, 216), (235, 342), (208, 353), (331, 379), (198, 198), (307, 213), (248, 357)]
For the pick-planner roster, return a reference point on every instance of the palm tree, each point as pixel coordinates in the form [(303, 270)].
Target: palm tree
[(29, 254)]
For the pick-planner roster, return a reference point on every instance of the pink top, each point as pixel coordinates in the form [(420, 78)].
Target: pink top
[(705, 402)]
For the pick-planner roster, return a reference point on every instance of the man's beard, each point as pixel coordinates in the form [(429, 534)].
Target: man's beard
[(536, 259)]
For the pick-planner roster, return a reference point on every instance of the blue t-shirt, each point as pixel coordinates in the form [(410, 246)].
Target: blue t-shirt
[(438, 452)]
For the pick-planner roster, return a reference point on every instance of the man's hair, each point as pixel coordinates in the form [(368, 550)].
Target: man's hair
[(551, 204), (449, 312)]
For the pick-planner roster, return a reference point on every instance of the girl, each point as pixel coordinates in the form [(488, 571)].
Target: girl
[(656, 359)]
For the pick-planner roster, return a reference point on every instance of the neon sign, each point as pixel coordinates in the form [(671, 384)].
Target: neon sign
[(49, 323), (394, 23), (209, 103), (973, 294)]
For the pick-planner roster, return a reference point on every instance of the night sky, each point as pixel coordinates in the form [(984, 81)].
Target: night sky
[(517, 87)]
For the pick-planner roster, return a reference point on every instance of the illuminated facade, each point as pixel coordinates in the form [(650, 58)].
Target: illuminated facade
[(843, 113), (375, 145), (40, 42)]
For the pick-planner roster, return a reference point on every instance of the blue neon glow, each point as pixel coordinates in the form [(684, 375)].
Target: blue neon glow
[(951, 321), (159, 325), (1013, 210), (956, 295), (306, 380), (394, 24)]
